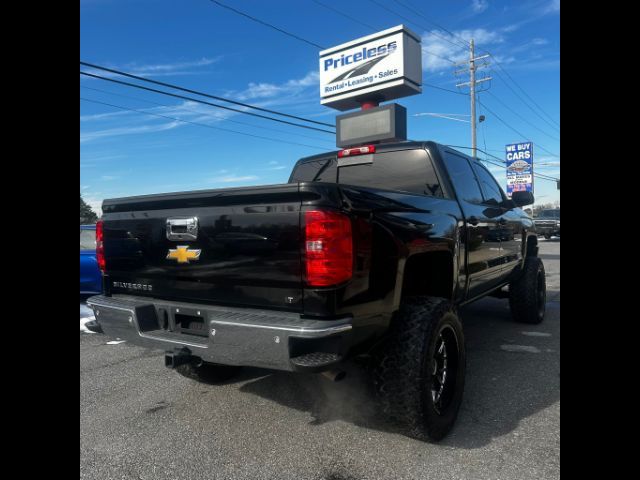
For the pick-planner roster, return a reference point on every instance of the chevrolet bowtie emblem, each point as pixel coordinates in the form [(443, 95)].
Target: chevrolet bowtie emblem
[(182, 254)]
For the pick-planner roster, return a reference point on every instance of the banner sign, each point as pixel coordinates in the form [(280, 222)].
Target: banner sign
[(519, 158)]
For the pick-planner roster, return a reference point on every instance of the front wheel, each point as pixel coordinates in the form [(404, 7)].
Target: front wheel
[(528, 293), (421, 369)]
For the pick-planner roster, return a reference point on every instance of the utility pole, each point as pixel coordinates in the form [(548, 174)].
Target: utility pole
[(472, 92), (472, 88)]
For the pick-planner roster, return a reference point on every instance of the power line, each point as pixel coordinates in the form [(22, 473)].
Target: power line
[(503, 162), (196, 92), (494, 58), (374, 28), (257, 20), (483, 128), (329, 7), (516, 131), (463, 43), (184, 97), (539, 175), (415, 23), (520, 96), (520, 117), (201, 124), (309, 42), (177, 107), (445, 89), (523, 91)]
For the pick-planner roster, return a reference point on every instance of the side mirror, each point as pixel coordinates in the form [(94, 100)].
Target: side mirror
[(522, 198)]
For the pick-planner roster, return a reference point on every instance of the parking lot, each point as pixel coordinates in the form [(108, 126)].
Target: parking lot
[(140, 420)]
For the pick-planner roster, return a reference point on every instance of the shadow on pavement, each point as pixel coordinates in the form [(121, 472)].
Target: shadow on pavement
[(502, 387)]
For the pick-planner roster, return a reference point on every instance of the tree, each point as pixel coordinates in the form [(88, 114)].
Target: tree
[(87, 215)]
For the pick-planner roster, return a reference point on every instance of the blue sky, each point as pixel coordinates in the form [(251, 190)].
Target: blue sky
[(199, 45)]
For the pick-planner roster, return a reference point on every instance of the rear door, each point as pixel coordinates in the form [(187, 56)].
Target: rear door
[(482, 231)]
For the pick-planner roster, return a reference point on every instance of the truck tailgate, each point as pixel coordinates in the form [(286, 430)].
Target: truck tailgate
[(245, 249)]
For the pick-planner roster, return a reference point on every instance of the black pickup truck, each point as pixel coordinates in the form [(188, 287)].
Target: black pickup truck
[(364, 252)]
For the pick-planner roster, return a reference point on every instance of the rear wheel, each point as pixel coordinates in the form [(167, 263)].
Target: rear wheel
[(421, 368), (208, 372), (528, 293)]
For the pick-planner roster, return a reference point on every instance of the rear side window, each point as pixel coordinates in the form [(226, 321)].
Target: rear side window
[(490, 188), (406, 171), (323, 170), (463, 178), (87, 239)]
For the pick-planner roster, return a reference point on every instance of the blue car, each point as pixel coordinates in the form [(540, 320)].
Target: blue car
[(90, 275)]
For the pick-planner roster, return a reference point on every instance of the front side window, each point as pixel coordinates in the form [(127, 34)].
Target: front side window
[(490, 188)]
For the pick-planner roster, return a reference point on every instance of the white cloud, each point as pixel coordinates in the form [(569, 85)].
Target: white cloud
[(233, 179), (554, 6), (109, 177), (450, 46), (101, 116), (113, 132), (269, 90), (155, 70), (479, 6), (171, 67)]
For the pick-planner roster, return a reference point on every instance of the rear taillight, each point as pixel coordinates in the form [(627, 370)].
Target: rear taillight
[(100, 245), (328, 248)]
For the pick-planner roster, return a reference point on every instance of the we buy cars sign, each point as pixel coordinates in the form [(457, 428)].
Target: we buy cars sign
[(519, 158)]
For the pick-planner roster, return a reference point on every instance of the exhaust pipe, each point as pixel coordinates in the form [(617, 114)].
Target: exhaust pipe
[(334, 375), (177, 358)]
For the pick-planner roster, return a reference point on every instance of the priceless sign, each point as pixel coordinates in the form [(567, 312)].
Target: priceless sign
[(519, 167), (383, 66)]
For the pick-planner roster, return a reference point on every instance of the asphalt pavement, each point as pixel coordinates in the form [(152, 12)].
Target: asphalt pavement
[(140, 420)]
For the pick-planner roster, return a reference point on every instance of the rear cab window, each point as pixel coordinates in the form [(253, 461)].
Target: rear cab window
[(403, 170)]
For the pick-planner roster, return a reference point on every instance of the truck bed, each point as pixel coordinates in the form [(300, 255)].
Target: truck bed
[(248, 241)]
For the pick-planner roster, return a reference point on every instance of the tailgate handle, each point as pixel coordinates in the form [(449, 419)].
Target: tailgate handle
[(184, 228)]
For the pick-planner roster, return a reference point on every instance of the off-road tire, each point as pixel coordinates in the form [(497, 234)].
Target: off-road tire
[(208, 372), (527, 293), (403, 374)]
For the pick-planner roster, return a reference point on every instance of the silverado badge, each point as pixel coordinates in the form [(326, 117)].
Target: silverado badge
[(182, 254)]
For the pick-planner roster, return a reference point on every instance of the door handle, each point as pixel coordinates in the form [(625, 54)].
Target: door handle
[(473, 221), (185, 228)]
